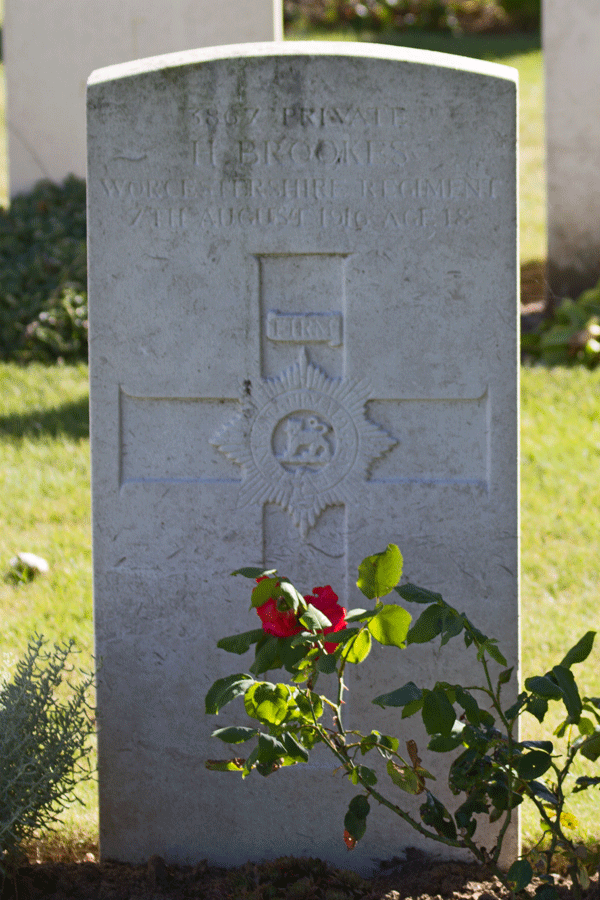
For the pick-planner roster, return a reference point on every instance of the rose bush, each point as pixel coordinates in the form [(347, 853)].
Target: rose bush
[(490, 772)]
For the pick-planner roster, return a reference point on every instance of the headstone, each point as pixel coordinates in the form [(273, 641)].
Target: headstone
[(571, 33), (51, 46), (303, 346)]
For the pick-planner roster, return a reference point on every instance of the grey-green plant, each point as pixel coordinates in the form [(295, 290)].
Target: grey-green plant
[(490, 771), (46, 723)]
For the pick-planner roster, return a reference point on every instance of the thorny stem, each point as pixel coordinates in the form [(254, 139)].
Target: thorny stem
[(554, 825)]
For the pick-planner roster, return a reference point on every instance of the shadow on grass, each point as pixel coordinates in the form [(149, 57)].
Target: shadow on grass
[(483, 46), (69, 420)]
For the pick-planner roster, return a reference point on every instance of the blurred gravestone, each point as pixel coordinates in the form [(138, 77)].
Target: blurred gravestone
[(51, 46), (571, 37), (303, 346)]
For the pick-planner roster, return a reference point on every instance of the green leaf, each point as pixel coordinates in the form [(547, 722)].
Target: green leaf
[(270, 749), (469, 704), (294, 748), (234, 734), (428, 626), (225, 765), (367, 775), (314, 619), (380, 573), (520, 874), (489, 647), (580, 651), (405, 778), (543, 792), (543, 687), (355, 820), (443, 743), (513, 711), (436, 815), (389, 742), (294, 598), (253, 572), (224, 690), (504, 676), (584, 782), (390, 626), (590, 748), (409, 693), (341, 637), (585, 726), (267, 656), (290, 655), (359, 806), (439, 618), (411, 708), (414, 594), (533, 764), (546, 746), (537, 706), (357, 650), (267, 702), (438, 713), (568, 686), (326, 663), (357, 615), (240, 643), (267, 589), (464, 815), (304, 704)]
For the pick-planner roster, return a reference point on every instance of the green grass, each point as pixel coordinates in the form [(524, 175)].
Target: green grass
[(44, 483), (560, 563)]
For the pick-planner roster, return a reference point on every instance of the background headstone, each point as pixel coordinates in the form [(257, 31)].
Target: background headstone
[(303, 299), (571, 37), (51, 46)]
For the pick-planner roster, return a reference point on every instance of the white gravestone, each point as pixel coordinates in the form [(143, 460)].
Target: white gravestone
[(51, 46), (303, 298), (571, 36)]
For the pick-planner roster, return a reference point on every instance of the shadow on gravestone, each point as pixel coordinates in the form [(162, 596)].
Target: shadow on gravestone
[(303, 301)]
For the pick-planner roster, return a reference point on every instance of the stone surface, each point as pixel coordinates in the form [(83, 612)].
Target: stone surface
[(303, 346), (51, 46), (571, 33)]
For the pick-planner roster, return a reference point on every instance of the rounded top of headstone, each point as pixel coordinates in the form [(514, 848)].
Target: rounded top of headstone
[(303, 49)]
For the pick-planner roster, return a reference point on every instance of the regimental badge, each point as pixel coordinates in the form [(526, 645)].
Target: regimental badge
[(303, 441)]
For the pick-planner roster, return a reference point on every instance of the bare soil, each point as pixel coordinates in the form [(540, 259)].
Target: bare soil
[(418, 877)]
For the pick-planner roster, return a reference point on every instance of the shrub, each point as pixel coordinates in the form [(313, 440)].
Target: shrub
[(44, 743), (430, 15), (43, 274), (570, 336), (492, 774), (523, 13)]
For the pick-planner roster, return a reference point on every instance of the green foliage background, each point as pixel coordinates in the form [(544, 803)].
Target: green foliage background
[(43, 274)]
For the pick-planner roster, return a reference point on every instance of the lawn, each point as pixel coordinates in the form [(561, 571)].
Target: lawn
[(44, 473)]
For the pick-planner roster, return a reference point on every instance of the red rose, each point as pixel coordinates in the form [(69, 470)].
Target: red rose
[(278, 623), (284, 624), (324, 599)]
